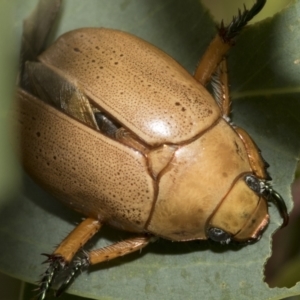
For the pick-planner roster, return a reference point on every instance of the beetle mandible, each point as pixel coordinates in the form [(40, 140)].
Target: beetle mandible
[(119, 131)]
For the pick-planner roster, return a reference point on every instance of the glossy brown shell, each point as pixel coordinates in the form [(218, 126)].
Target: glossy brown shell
[(88, 171), (135, 82), (185, 160)]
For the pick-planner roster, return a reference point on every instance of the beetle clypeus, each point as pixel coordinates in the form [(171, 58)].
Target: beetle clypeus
[(119, 131)]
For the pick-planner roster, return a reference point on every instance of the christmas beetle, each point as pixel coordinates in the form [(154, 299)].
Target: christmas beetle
[(120, 132)]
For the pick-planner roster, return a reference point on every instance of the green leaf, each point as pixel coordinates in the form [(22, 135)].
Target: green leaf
[(8, 70), (264, 69)]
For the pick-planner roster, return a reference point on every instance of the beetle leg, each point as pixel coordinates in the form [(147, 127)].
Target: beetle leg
[(220, 87), (105, 254), (65, 252), (223, 42), (264, 188), (271, 195)]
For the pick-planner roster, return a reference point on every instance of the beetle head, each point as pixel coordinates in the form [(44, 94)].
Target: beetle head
[(243, 213)]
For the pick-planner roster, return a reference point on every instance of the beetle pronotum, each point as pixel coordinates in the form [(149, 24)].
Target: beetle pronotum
[(119, 131)]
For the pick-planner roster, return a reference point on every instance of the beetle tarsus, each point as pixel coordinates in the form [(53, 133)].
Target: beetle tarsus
[(271, 195), (228, 33), (264, 188), (56, 263), (279, 202), (78, 265)]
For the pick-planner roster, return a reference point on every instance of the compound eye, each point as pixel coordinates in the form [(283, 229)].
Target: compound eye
[(219, 235), (253, 183)]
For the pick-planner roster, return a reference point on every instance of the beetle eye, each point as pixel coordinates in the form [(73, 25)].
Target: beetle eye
[(219, 235), (253, 183)]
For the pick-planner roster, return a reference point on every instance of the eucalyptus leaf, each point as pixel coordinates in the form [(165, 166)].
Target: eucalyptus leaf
[(8, 70), (264, 69)]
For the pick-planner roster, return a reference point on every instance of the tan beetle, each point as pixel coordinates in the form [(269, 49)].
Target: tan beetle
[(119, 131)]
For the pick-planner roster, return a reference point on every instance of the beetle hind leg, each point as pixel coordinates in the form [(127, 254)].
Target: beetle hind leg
[(104, 254), (80, 262), (56, 263), (60, 259)]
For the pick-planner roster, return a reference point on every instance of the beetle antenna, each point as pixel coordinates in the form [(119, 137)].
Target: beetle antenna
[(78, 265), (232, 30)]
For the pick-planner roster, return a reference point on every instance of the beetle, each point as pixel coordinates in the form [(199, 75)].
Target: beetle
[(120, 132)]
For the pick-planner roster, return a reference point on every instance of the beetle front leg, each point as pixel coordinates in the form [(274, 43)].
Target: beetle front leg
[(65, 252), (105, 254), (223, 42), (220, 87)]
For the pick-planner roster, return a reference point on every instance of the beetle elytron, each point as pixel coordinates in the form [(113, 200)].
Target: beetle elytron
[(119, 131)]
